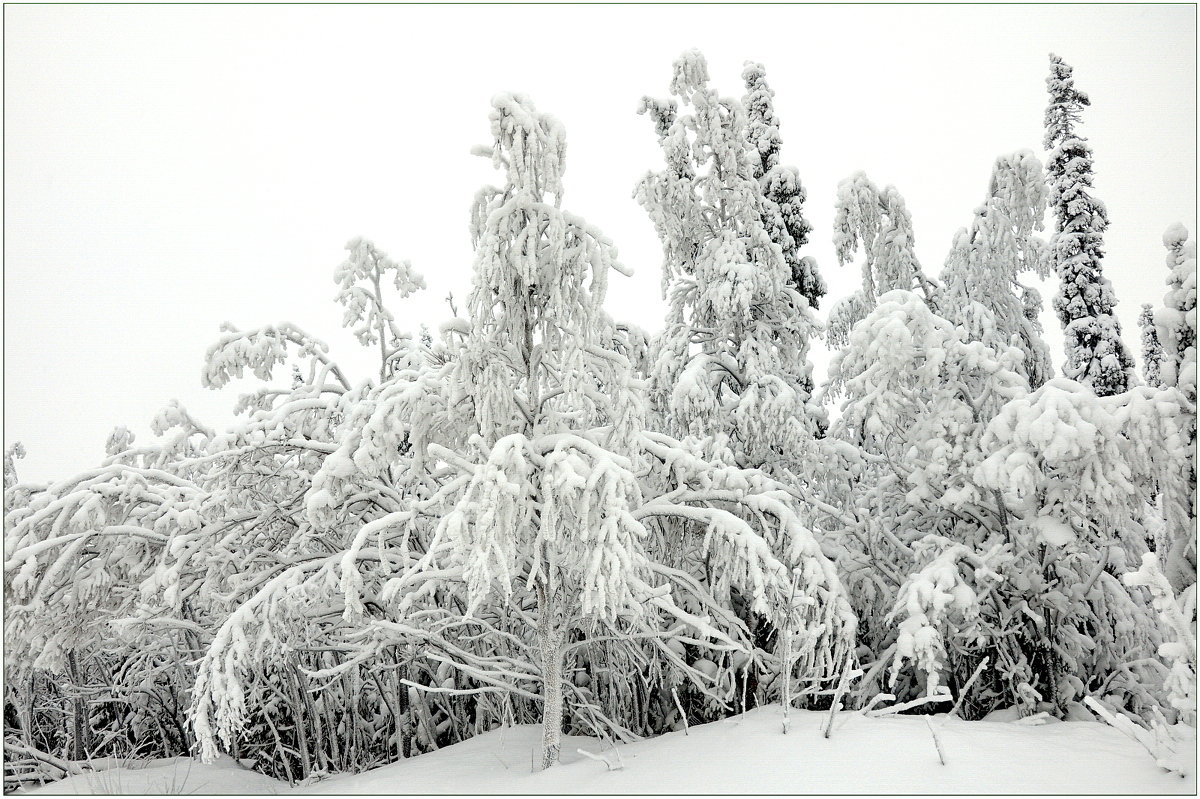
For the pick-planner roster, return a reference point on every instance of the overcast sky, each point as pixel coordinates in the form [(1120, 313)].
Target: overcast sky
[(168, 168)]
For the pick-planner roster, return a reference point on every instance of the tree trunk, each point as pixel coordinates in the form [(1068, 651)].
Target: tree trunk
[(405, 717), (552, 696), (785, 674), (79, 742)]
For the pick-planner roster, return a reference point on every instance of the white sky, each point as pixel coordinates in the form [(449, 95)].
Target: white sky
[(171, 167)]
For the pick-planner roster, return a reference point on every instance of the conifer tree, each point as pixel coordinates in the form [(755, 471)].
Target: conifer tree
[(1095, 354), (1152, 350), (783, 193), (732, 362), (1176, 321), (1175, 328)]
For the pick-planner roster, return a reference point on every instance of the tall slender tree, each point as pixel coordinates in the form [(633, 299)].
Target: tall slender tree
[(1152, 349), (1095, 354), (783, 193), (1176, 321), (1175, 329)]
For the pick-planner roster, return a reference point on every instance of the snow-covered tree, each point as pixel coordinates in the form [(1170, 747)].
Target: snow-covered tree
[(529, 540), (986, 260), (1095, 353), (1077, 473), (732, 361), (1175, 323), (360, 290), (918, 394), (879, 223), (81, 554), (1175, 330), (974, 500), (11, 454), (783, 193), (1152, 349)]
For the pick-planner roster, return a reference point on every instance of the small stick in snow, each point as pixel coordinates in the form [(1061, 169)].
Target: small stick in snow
[(937, 742), (617, 753), (924, 700), (602, 759), (837, 696), (679, 705), (745, 682)]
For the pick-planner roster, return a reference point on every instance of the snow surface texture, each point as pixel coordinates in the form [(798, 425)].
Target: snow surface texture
[(168, 775), (894, 755)]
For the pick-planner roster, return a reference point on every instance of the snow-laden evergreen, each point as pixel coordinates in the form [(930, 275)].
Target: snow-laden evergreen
[(1095, 353), (732, 361), (1174, 330), (1175, 323), (1152, 349), (781, 186)]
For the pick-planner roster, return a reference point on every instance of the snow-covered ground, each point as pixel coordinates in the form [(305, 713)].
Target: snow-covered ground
[(169, 776), (748, 755)]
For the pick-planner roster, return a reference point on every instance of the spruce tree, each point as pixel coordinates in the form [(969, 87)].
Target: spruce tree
[(732, 362), (1176, 322), (1175, 328), (1095, 354), (1152, 350), (784, 195)]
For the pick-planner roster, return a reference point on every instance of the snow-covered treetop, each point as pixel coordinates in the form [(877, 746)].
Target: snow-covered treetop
[(1017, 191), (540, 279), (16, 450), (763, 126), (985, 261), (1175, 323), (880, 223), (1174, 235), (530, 147), (1152, 350), (359, 280), (783, 193), (1066, 104)]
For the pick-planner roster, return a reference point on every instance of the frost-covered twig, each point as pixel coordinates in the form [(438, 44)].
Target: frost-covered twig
[(924, 700), (601, 759), (679, 705), (843, 683), (937, 741)]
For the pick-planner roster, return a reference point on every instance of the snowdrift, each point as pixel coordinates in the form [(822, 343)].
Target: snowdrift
[(893, 754)]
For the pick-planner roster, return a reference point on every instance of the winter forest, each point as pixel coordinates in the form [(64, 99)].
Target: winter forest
[(537, 513)]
